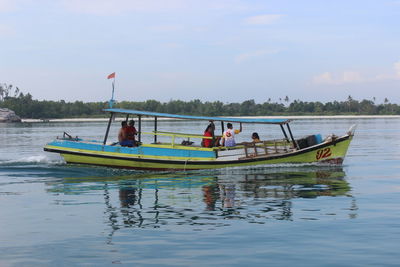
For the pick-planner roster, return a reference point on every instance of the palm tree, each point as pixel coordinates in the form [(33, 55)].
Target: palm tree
[(286, 99), (16, 91), (349, 99)]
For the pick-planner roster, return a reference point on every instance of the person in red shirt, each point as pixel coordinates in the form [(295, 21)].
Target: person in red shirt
[(131, 131), (122, 135), (209, 132)]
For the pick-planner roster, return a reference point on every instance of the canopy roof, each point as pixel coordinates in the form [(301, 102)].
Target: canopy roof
[(188, 117)]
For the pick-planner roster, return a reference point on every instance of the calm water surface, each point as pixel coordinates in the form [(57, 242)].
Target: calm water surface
[(58, 215)]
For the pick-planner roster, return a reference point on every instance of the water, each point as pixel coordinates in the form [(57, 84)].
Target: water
[(54, 214)]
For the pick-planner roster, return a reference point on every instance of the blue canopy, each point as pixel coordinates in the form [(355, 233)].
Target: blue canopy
[(188, 117)]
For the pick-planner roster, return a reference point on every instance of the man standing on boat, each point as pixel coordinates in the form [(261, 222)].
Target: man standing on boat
[(228, 138)]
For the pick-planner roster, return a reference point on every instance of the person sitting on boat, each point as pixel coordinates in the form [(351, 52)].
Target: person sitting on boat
[(123, 136), (255, 138), (209, 132), (131, 131), (228, 138), (206, 142)]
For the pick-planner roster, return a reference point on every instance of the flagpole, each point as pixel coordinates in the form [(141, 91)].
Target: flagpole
[(112, 96), (111, 102)]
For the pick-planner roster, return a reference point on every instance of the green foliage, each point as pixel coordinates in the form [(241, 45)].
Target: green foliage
[(7, 91), (27, 107)]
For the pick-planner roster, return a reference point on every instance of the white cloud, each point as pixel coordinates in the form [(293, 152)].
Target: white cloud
[(324, 78), (255, 54), (263, 19), (338, 78), (351, 77), (394, 75), (346, 77)]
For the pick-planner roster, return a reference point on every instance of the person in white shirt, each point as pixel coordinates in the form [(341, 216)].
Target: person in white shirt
[(228, 138)]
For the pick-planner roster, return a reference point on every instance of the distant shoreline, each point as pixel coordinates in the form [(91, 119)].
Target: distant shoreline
[(261, 117)]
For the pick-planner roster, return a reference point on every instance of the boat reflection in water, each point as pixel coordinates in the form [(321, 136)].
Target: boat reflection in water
[(204, 200)]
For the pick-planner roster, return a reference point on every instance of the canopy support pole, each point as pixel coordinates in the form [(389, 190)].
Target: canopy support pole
[(284, 133), (155, 130), (140, 128), (291, 136), (222, 127), (127, 118), (108, 128)]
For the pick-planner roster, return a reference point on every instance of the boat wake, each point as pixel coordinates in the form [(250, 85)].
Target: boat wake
[(42, 159), (49, 167)]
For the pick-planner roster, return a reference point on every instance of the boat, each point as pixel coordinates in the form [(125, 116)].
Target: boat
[(190, 155)]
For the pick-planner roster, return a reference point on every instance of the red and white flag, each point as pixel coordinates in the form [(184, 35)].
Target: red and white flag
[(112, 75)]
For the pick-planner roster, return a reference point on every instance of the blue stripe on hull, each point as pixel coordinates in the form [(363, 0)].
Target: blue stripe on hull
[(141, 150)]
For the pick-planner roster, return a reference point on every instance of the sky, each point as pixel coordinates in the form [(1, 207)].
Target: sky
[(225, 50)]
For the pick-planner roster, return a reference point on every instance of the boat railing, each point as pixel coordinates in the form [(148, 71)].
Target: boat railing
[(264, 148), (251, 149), (247, 150), (178, 135), (68, 137)]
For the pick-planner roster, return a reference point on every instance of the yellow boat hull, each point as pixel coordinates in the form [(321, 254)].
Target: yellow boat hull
[(331, 152)]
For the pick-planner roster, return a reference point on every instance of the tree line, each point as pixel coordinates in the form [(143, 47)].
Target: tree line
[(26, 107)]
